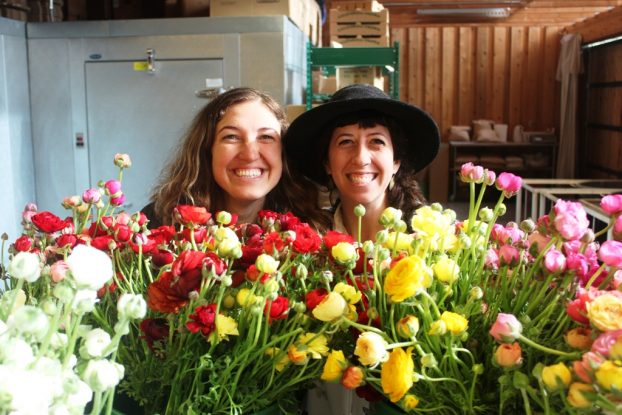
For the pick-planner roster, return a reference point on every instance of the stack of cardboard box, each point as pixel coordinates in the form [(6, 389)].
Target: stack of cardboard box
[(360, 23)]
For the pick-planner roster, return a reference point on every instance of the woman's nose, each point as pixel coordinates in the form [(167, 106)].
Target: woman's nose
[(249, 150), (361, 155)]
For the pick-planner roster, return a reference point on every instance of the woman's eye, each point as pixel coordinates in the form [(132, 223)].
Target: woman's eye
[(344, 141), (267, 137), (230, 137), (379, 141)]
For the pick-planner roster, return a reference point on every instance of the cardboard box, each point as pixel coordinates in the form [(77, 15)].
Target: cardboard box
[(358, 16), (359, 28), (348, 75), (304, 13), (358, 41), (365, 5)]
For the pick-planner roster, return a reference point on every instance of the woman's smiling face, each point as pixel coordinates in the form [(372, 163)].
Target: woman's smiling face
[(360, 161), (246, 154)]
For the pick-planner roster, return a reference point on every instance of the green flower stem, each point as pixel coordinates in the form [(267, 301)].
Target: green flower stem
[(525, 401), (360, 228), (535, 300), (430, 301), (361, 327), (445, 379), (20, 284), (612, 221), (48, 336), (96, 403), (401, 344), (545, 349)]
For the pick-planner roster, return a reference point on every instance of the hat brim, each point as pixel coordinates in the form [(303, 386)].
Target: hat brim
[(303, 136)]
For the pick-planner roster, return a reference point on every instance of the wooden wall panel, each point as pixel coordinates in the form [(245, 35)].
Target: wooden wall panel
[(460, 73)]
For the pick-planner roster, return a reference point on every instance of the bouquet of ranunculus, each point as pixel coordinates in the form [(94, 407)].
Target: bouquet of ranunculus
[(470, 316), (51, 360)]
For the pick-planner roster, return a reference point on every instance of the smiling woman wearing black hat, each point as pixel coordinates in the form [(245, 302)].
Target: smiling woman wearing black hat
[(365, 148)]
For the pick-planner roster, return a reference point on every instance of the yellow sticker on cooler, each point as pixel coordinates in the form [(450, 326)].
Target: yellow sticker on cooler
[(140, 66)]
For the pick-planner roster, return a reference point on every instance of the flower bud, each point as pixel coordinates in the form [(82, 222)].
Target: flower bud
[(359, 211), (527, 225), (223, 217), (410, 402), (609, 376), (368, 248), (508, 355), (437, 207), (506, 328), (271, 286), (344, 253), (428, 360), (390, 216), (226, 280), (502, 209), (579, 338), (588, 236), (122, 161), (102, 375), (382, 237), (299, 307), (327, 276), (578, 395), (63, 292), (486, 214), (193, 295), (131, 306), (95, 344), (30, 321), (25, 266), (556, 376), (475, 293), (407, 327), (383, 253), (437, 328), (228, 302), (478, 368), (49, 307)]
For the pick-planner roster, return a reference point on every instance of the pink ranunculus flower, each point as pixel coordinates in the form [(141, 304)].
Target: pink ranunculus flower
[(492, 259), (471, 173), (570, 219), (58, 270), (617, 280), (509, 183), (611, 204), (617, 228), (489, 177), (509, 255), (122, 160), (91, 196), (506, 328), (611, 253), (539, 240), (604, 341), (113, 188), (584, 368), (554, 261), (118, 200)]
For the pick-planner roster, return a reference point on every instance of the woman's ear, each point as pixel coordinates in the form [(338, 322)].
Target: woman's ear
[(327, 168), (396, 166)]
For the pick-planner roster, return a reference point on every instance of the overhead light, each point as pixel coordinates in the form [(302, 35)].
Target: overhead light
[(491, 12)]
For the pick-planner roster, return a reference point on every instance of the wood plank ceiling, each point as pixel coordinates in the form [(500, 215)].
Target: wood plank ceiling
[(408, 13)]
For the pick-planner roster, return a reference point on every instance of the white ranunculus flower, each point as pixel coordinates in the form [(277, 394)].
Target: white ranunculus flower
[(84, 301), (59, 341), (131, 306), (90, 267), (20, 385), (371, 348), (12, 299), (15, 352), (29, 321), (77, 393), (95, 344), (25, 266), (53, 370), (102, 375)]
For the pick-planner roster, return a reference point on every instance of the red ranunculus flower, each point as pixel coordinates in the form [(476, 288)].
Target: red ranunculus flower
[(250, 251), (99, 229), (23, 244), (122, 233), (277, 308), (67, 239), (213, 261), (161, 257), (203, 320), (188, 214), (307, 240), (272, 242), (252, 273), (288, 221), (170, 292), (102, 242), (199, 234), (48, 222), (270, 215), (147, 245), (155, 330), (332, 238), (314, 297), (163, 234)]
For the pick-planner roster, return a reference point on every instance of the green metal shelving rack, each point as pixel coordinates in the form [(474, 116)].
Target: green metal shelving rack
[(386, 57)]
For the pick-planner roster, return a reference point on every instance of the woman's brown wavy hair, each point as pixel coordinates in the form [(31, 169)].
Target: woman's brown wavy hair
[(188, 177)]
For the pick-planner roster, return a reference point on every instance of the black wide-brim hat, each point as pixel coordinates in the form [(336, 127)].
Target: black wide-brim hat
[(302, 141)]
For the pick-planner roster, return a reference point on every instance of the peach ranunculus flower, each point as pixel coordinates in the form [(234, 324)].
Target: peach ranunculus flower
[(353, 377), (371, 348), (334, 367), (396, 375), (509, 355), (409, 276), (605, 312), (576, 397), (332, 307), (579, 338)]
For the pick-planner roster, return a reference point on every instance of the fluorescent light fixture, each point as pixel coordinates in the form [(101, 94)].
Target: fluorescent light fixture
[(492, 12)]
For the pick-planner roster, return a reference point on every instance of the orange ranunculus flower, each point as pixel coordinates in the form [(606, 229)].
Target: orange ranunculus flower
[(396, 375), (576, 397), (556, 376), (353, 377), (509, 355), (188, 214), (579, 338), (335, 364), (297, 356), (407, 278)]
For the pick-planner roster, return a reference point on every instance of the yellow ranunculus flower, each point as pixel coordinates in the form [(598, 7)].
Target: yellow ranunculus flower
[(344, 252), (221, 234), (576, 398), (396, 375), (435, 227), (437, 328), (225, 327), (609, 375), (331, 307), (410, 402), (281, 358), (335, 364), (351, 294), (605, 312), (230, 248), (407, 278), (615, 351), (446, 270), (265, 263), (245, 298), (317, 344), (371, 348), (454, 322), (554, 374), (408, 327), (403, 242)]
